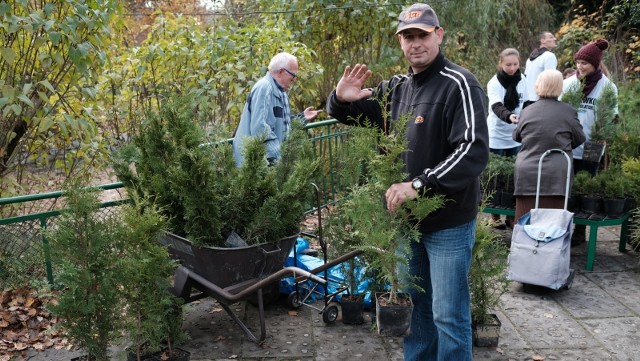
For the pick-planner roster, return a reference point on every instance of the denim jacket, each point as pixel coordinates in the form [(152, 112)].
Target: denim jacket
[(266, 114)]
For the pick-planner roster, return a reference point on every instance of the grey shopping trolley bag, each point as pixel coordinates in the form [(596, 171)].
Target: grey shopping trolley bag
[(541, 242)]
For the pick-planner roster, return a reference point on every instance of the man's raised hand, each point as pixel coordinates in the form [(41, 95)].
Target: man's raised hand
[(349, 87)]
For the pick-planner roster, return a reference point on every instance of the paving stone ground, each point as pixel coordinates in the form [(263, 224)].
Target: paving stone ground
[(597, 319)]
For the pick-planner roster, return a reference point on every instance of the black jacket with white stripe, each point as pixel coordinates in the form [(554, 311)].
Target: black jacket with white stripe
[(447, 133)]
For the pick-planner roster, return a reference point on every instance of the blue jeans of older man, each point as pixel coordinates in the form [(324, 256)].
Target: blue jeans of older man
[(441, 321)]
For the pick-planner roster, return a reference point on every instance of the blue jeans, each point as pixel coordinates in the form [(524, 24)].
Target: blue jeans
[(509, 152), (441, 321)]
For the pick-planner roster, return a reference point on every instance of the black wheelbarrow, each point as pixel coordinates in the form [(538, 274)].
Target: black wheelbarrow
[(232, 274)]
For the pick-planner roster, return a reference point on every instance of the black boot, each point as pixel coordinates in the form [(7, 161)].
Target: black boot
[(496, 223), (509, 222)]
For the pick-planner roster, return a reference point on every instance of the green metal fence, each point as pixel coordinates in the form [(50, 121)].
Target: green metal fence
[(24, 255)]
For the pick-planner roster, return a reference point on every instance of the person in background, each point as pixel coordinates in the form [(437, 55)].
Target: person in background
[(448, 150), (267, 112), (545, 124), (507, 91), (568, 72), (540, 60), (591, 81)]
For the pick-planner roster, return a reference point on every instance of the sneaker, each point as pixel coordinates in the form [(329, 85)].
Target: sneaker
[(496, 224)]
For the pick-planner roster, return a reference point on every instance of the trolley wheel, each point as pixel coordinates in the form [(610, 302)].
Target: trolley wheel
[(569, 282), (293, 300), (330, 313)]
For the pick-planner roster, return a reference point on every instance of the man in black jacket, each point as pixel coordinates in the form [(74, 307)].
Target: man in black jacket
[(448, 143)]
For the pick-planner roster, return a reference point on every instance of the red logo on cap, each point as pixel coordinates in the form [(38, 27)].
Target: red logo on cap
[(413, 14)]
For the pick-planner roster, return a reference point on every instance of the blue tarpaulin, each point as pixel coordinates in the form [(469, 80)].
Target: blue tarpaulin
[(335, 276)]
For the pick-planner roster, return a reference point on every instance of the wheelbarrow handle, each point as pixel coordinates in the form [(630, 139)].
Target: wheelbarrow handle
[(219, 292)]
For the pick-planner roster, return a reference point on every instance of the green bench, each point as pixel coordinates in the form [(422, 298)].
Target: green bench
[(593, 230)]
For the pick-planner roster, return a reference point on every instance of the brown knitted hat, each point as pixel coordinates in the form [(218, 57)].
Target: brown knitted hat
[(592, 52)]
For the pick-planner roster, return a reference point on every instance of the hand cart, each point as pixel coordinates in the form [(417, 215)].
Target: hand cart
[(304, 292), (541, 240)]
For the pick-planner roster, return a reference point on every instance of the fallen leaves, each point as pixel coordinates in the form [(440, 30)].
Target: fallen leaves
[(215, 309), (26, 323)]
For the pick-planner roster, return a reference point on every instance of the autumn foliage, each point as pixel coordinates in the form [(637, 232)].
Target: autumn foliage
[(26, 323)]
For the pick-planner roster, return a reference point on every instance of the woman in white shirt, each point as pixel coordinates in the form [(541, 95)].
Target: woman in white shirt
[(507, 93), (590, 81)]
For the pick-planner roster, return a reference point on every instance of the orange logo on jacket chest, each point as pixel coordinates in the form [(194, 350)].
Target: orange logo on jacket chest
[(419, 120)]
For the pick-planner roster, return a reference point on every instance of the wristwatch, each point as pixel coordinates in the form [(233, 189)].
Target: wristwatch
[(417, 184)]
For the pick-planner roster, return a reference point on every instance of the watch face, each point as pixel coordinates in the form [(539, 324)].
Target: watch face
[(417, 184)]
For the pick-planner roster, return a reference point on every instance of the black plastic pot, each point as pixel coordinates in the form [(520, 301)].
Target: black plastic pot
[(178, 355), (131, 356), (629, 204), (352, 309), (507, 200), (494, 199), (593, 152), (573, 204), (613, 207), (591, 204), (393, 319), (162, 355), (487, 335)]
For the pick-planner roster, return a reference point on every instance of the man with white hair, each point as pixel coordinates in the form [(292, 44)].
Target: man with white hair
[(267, 112)]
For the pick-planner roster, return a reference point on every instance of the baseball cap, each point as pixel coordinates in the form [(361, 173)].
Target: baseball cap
[(418, 16)]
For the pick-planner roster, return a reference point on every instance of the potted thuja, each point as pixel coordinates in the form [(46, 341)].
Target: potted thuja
[(604, 125), (88, 274), (343, 240), (487, 282), (385, 235), (152, 315), (113, 276), (615, 186), (489, 179)]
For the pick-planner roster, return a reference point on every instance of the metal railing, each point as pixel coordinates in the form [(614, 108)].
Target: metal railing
[(24, 251)]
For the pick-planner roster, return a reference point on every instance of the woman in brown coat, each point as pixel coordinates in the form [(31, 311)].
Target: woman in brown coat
[(543, 125)]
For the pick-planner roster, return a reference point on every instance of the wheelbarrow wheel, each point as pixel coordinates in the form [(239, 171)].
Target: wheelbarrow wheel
[(293, 300), (270, 295), (330, 313)]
